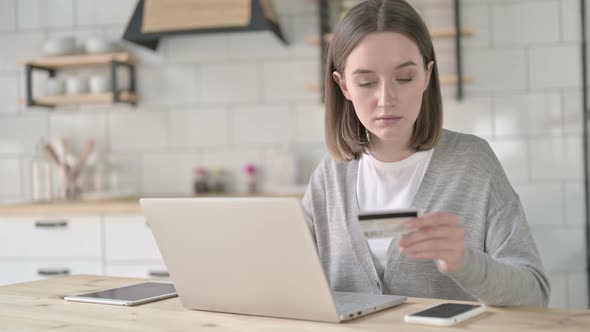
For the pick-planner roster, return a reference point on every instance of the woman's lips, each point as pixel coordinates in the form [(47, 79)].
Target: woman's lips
[(389, 119)]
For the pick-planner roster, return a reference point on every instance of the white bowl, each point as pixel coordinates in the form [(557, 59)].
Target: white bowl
[(60, 46), (97, 45)]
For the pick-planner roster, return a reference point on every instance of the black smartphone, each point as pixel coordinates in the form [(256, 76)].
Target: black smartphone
[(446, 314)]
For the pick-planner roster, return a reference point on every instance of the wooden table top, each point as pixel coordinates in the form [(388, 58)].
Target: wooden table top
[(38, 306)]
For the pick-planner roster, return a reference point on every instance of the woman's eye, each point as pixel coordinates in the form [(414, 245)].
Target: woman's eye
[(366, 84), (404, 80)]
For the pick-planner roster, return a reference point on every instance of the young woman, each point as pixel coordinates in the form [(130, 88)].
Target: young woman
[(388, 151)]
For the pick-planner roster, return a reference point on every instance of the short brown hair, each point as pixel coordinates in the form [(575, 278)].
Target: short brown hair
[(346, 137)]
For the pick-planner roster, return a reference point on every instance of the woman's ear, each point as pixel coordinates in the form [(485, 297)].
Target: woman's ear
[(341, 83), (428, 74)]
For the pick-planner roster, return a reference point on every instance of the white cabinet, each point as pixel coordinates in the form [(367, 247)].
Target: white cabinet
[(35, 248), (51, 237), (130, 248), (13, 271), (129, 238)]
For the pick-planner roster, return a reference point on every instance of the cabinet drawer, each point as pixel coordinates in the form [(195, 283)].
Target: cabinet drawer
[(152, 271), (22, 271), (50, 237), (129, 238)]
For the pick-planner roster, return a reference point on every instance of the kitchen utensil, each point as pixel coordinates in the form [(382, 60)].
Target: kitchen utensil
[(75, 171), (51, 152)]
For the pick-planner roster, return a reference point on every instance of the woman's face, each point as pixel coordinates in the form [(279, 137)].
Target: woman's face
[(384, 78)]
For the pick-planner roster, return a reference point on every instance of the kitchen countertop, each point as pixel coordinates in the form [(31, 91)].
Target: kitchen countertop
[(94, 207), (39, 306)]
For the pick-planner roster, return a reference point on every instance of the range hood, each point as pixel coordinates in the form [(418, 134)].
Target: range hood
[(154, 19)]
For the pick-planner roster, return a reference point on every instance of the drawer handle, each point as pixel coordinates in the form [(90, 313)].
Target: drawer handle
[(159, 274), (47, 224), (53, 272)]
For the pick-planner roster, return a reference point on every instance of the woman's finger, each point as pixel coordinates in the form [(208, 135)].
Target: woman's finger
[(435, 254), (432, 219), (426, 233), (436, 244)]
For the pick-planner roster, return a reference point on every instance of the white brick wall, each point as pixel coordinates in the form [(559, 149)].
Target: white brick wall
[(9, 93), (45, 14), (167, 172), (222, 100), (528, 114), (7, 15), (138, 129), (514, 24), (230, 83), (199, 128), (554, 66), (496, 69), (260, 125), (11, 171), (513, 154)]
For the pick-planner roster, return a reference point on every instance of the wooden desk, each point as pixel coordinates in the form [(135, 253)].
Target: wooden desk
[(38, 306)]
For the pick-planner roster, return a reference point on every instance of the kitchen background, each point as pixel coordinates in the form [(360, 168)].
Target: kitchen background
[(225, 100)]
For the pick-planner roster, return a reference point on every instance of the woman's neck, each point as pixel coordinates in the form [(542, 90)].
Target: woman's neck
[(390, 151)]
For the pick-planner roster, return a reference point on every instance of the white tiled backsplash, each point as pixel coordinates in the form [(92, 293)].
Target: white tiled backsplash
[(227, 99)]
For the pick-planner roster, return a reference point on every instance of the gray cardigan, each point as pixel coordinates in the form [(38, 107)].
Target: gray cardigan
[(501, 267)]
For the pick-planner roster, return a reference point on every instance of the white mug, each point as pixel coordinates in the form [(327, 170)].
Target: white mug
[(76, 85), (99, 84), (95, 45), (55, 87)]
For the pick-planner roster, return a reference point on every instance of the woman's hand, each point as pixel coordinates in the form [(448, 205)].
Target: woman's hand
[(438, 236)]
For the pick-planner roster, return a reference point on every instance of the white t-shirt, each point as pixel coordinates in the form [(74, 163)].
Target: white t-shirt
[(388, 185)]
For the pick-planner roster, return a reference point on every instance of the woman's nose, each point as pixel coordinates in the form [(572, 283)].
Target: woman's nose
[(387, 95)]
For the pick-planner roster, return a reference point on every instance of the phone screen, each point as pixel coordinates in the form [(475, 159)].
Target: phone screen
[(446, 310)]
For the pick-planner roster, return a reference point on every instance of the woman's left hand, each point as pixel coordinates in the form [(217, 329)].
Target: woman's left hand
[(438, 236)]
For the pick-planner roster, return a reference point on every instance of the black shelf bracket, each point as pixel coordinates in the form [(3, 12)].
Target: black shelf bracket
[(584, 49), (324, 22), (458, 50), (29, 69), (114, 65)]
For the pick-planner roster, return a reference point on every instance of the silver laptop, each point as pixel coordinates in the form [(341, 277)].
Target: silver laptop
[(252, 256)]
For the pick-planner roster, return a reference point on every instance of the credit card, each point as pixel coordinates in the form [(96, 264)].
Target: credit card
[(385, 224)]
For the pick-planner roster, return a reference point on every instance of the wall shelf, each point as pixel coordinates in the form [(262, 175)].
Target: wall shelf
[(81, 60), (54, 63), (102, 98), (452, 79)]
